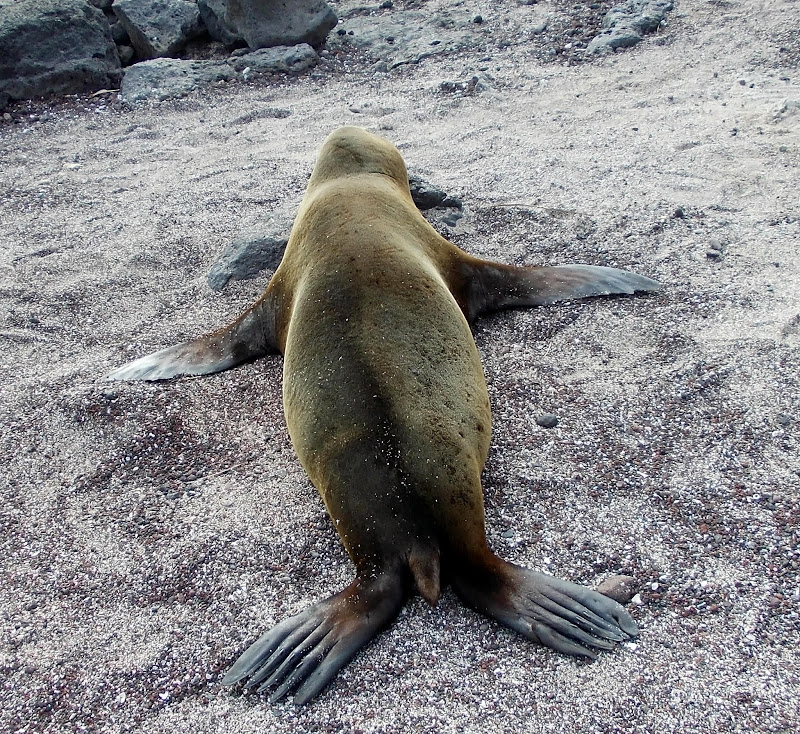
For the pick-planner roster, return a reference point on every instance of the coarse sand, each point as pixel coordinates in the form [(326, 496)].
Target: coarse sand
[(151, 531)]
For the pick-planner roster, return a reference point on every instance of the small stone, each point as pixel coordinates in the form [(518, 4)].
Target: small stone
[(713, 254), (386, 4), (478, 19), (678, 213), (547, 420), (616, 40), (252, 252), (618, 588), (715, 244), (451, 218)]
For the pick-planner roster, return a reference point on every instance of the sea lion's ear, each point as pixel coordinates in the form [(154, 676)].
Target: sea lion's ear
[(251, 335), (485, 286)]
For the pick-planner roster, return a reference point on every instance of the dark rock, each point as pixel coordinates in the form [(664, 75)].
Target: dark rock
[(647, 23), (159, 27), (119, 34), (405, 37), (126, 55), (161, 79), (212, 13), (265, 23), (55, 47), (279, 59), (250, 254), (424, 194), (427, 196), (102, 4), (626, 24), (451, 218), (547, 420), (617, 38), (619, 588), (452, 202), (442, 218)]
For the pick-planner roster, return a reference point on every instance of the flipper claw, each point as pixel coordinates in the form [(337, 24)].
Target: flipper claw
[(307, 650), (566, 617)]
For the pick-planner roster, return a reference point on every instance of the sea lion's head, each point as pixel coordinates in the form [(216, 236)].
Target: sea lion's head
[(351, 151)]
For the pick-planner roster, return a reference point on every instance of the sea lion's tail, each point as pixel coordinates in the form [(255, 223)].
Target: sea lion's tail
[(424, 564), (250, 336), (566, 617), (305, 652)]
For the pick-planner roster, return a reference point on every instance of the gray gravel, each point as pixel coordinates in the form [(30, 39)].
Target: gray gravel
[(150, 532)]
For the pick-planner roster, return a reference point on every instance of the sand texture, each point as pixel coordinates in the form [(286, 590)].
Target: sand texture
[(151, 531)]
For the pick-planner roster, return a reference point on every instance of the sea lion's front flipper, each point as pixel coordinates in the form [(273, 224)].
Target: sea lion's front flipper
[(250, 336), (487, 286), (566, 617), (305, 652)]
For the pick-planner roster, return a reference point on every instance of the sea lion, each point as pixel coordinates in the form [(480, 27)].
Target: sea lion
[(388, 410)]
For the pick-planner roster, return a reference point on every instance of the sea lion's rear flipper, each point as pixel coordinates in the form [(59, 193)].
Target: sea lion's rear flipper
[(250, 336), (305, 652), (487, 286), (566, 617)]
